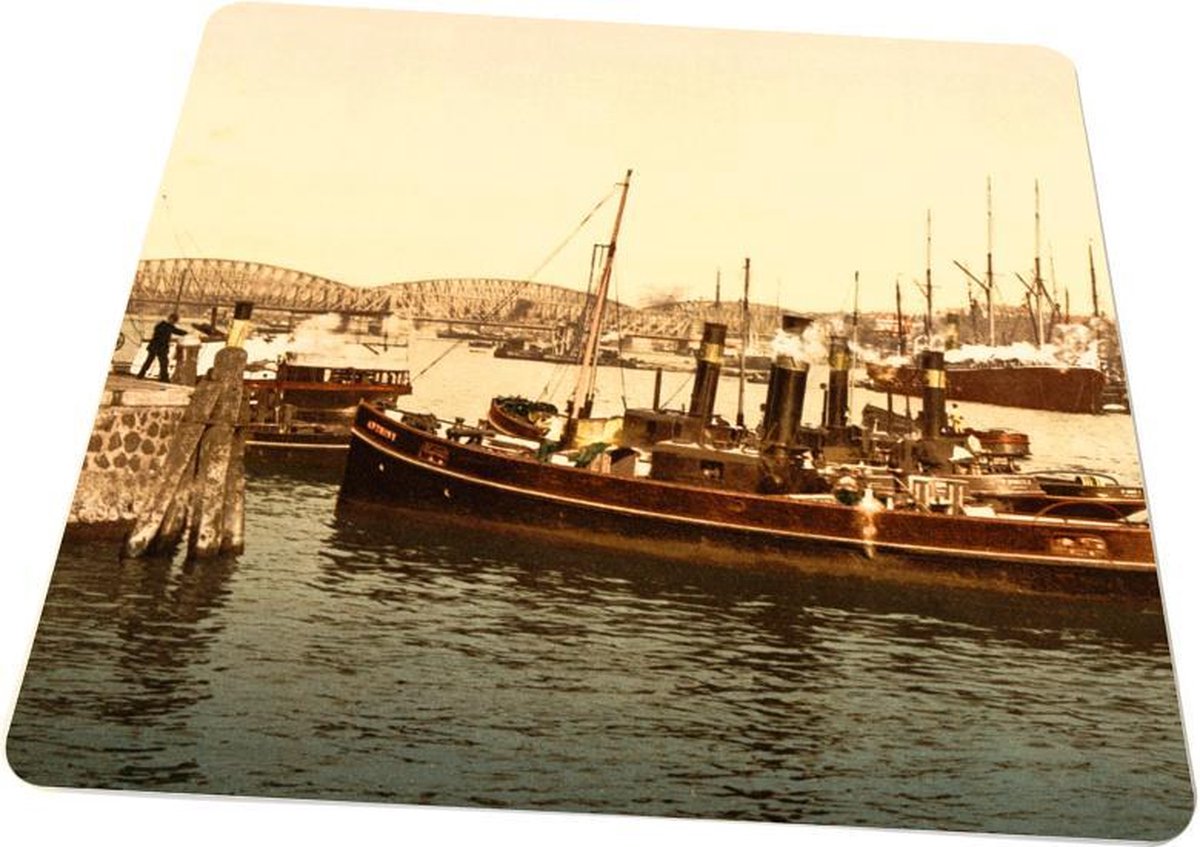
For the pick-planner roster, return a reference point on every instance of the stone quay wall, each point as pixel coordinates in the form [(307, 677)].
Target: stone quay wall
[(129, 441)]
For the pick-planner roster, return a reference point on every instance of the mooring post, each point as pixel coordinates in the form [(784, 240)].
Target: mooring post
[(203, 485), (187, 361), (233, 531), (147, 535), (219, 526), (213, 466)]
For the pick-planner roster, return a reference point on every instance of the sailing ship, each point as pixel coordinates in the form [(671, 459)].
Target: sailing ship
[(694, 489), (1048, 387), (1001, 377)]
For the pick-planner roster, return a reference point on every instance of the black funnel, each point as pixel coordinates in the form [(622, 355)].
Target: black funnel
[(708, 372), (837, 400), (785, 400), (933, 397)]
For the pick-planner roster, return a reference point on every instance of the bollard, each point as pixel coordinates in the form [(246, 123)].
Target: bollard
[(187, 359)]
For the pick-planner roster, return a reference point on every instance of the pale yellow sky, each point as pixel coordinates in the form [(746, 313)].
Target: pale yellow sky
[(381, 146)]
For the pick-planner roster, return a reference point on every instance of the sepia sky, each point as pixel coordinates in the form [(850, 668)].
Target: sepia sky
[(379, 146)]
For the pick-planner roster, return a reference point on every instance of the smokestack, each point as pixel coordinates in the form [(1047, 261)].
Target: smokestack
[(794, 324), (933, 398), (708, 372), (239, 329), (785, 400), (837, 401)]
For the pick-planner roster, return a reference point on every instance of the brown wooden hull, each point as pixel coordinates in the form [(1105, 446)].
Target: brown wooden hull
[(1055, 389), (516, 425), (393, 464)]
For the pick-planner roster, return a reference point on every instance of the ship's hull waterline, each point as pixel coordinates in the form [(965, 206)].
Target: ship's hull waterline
[(391, 464), (1044, 387)]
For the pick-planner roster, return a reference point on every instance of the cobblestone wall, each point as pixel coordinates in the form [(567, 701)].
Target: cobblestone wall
[(129, 442)]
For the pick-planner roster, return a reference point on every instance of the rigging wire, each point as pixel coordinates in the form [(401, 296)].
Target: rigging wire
[(560, 370), (528, 279), (675, 393), (178, 244), (620, 367)]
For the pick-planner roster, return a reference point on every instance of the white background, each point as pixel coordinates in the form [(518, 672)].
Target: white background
[(90, 97)]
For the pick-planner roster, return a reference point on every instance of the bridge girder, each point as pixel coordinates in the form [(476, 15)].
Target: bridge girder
[(222, 282)]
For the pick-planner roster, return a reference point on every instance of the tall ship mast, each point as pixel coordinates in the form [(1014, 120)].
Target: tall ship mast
[(999, 380), (580, 404)]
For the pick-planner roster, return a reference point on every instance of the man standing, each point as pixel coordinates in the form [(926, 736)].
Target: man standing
[(160, 345)]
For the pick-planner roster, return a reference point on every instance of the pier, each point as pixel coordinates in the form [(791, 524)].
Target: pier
[(130, 438)]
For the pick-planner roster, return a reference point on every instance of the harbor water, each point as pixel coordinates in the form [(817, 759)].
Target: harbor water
[(377, 657)]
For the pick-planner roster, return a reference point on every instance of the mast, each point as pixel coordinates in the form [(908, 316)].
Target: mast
[(1092, 271), (929, 276), (717, 301), (585, 388), (900, 321), (990, 279), (1039, 332), (1055, 307), (854, 321), (988, 283), (741, 415), (854, 343)]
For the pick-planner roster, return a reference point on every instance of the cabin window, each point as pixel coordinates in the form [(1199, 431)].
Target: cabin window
[(714, 471)]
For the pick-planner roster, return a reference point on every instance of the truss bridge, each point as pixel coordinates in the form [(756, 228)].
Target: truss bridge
[(200, 285)]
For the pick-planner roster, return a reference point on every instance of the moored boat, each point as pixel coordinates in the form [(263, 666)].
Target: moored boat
[(1055, 388), (993, 442), (521, 417), (687, 485), (302, 413), (712, 502), (297, 443), (318, 386)]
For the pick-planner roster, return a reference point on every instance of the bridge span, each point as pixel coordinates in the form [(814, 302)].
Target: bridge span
[(202, 284)]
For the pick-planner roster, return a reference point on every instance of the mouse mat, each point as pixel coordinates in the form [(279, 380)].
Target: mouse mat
[(618, 419)]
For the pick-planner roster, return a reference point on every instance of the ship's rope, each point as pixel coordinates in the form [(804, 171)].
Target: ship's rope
[(529, 279)]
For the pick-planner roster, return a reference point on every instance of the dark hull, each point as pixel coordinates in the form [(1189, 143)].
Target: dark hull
[(502, 352), (269, 447), (1045, 387), (605, 360), (391, 464)]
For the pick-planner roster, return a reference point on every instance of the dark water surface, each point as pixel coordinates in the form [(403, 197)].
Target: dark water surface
[(348, 656)]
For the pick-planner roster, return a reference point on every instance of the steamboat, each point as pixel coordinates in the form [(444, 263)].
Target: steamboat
[(1054, 388), (1049, 382), (303, 412), (836, 498)]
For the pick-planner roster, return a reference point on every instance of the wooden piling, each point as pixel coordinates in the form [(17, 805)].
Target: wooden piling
[(202, 486), (213, 458), (187, 362), (233, 533)]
